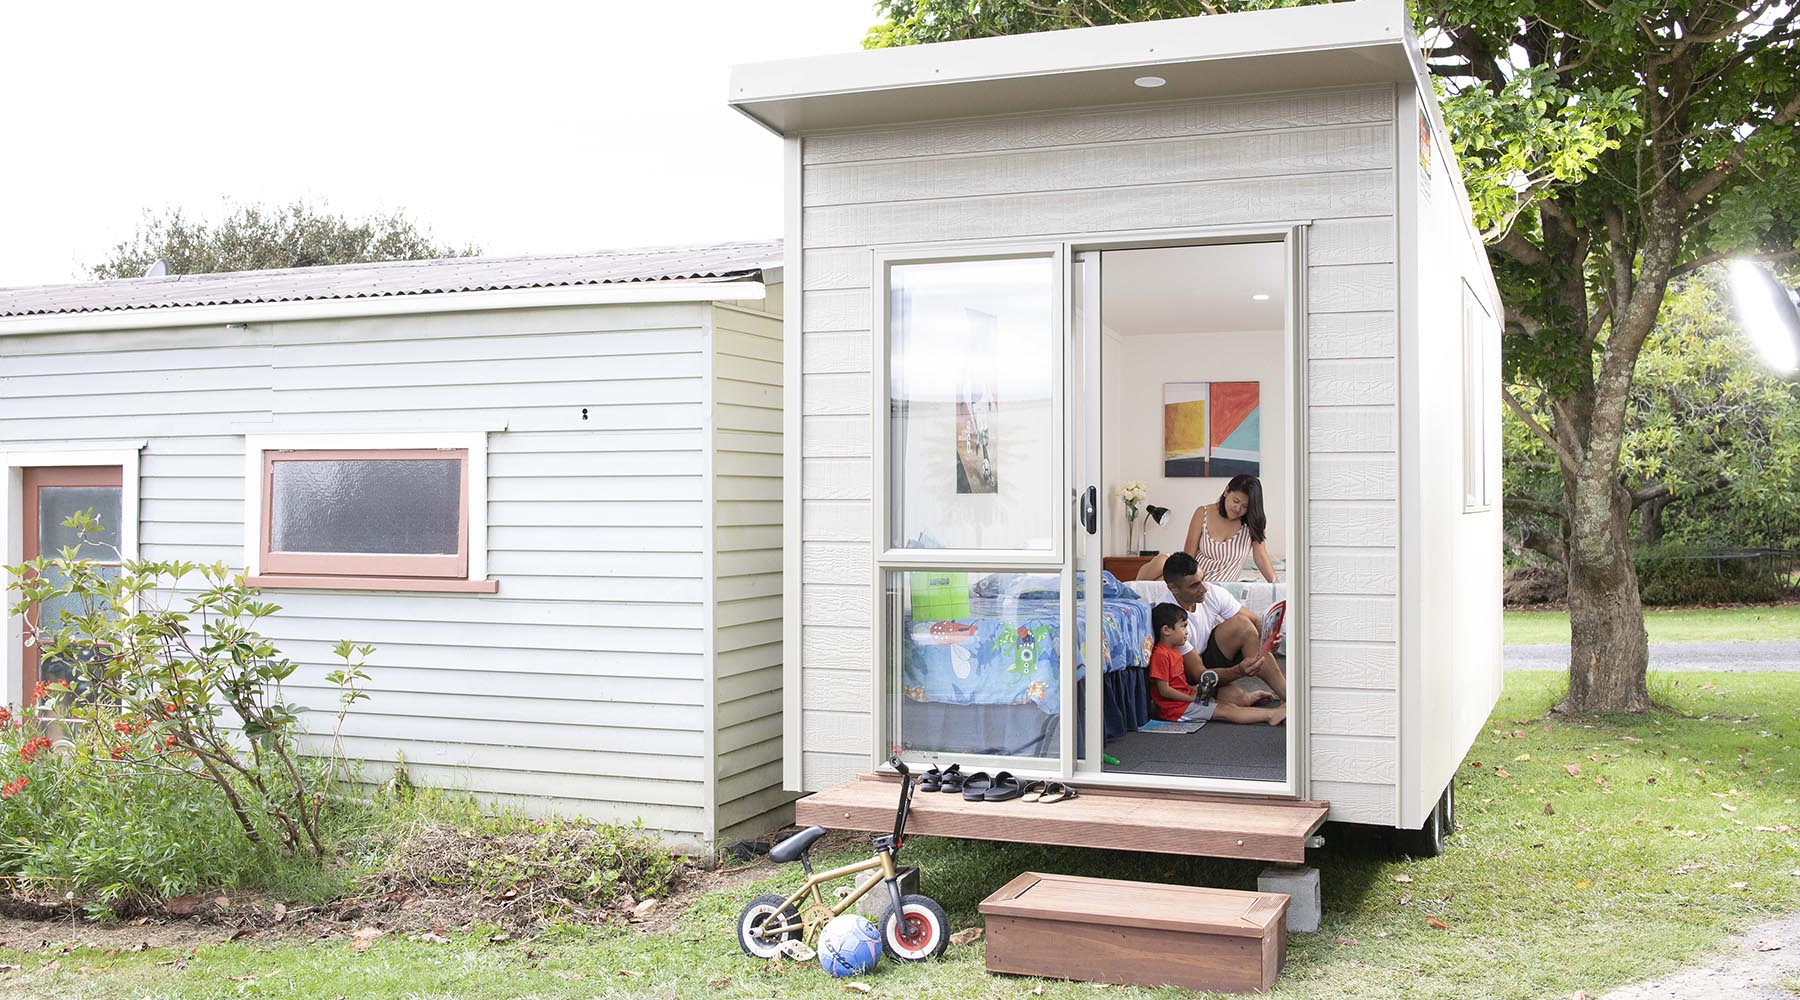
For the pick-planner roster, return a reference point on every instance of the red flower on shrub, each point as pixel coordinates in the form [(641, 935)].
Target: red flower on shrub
[(13, 788), (120, 751), (38, 692), (4, 715), (169, 741), (122, 726), (33, 747)]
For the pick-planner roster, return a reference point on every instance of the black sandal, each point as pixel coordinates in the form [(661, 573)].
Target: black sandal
[(953, 779), (975, 787), (1004, 787), (931, 780)]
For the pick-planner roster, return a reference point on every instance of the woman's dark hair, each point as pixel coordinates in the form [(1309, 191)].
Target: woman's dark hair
[(1251, 488), (1166, 615)]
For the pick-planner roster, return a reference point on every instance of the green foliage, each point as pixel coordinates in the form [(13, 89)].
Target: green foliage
[(83, 821), (1712, 447), (173, 651), (1686, 574), (258, 237)]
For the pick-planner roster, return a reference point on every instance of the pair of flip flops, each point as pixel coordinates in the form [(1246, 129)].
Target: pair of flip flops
[(983, 787), (947, 780), (1048, 791)]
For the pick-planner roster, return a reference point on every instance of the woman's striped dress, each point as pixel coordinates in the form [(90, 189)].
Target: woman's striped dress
[(1222, 560)]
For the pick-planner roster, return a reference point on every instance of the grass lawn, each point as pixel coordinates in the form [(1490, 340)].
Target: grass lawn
[(1589, 855), (1749, 624)]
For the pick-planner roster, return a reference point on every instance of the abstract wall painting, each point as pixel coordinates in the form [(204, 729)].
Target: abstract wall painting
[(1211, 429)]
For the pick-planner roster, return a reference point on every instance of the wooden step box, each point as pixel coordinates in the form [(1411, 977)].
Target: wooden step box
[(1136, 933)]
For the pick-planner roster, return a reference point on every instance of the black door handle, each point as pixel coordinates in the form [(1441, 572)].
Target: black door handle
[(1090, 510)]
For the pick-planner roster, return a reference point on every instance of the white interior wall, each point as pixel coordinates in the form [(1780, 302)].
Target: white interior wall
[(1139, 366)]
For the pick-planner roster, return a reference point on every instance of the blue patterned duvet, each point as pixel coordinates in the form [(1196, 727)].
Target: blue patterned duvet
[(1005, 651)]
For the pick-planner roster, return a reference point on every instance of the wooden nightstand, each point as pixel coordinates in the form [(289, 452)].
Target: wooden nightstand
[(1125, 568)]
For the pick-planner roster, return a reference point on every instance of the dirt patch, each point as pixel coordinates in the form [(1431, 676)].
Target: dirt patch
[(408, 898)]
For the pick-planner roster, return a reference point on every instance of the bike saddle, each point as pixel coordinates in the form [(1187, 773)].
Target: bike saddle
[(792, 848)]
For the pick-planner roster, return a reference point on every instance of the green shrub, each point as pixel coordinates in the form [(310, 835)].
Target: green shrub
[(77, 820), (1688, 574)]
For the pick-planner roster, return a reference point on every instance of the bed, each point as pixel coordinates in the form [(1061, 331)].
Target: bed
[(989, 679)]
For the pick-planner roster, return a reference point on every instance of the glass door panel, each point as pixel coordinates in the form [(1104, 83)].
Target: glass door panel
[(51, 495), (979, 662), (973, 381), (972, 500)]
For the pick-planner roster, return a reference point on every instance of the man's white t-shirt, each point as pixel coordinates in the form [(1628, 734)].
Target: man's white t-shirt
[(1215, 607)]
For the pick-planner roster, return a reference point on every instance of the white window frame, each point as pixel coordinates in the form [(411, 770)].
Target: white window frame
[(1480, 403), (12, 480), (255, 504)]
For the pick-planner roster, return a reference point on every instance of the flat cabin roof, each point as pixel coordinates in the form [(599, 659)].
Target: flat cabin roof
[(1296, 48)]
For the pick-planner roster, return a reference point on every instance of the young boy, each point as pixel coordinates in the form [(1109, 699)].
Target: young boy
[(1177, 700)]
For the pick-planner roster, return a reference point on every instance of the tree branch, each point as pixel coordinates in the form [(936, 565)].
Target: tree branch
[(1719, 174), (1569, 463), (1516, 246), (1713, 258)]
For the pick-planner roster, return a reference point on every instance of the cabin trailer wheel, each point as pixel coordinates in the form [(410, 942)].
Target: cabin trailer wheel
[(1428, 841)]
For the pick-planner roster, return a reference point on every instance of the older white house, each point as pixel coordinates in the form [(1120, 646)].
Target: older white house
[(548, 489)]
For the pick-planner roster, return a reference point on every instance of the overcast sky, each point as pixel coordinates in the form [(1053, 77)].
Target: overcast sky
[(525, 127)]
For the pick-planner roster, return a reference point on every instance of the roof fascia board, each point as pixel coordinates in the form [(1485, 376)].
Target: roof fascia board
[(776, 94), (621, 293)]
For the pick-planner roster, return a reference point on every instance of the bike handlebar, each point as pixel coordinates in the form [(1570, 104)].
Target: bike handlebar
[(897, 764)]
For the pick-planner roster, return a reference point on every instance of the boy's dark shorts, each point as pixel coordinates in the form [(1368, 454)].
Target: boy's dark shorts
[(1214, 658)]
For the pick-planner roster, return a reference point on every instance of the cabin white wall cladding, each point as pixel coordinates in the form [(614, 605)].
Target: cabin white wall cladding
[(1327, 156), (582, 686), (746, 535)]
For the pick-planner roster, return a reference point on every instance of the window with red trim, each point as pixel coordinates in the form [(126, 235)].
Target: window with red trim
[(377, 513)]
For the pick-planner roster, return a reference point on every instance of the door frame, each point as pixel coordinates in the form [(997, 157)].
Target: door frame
[(12, 531), (1292, 237), (1292, 234)]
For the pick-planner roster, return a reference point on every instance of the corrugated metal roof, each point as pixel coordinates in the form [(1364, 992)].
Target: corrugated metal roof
[(720, 262)]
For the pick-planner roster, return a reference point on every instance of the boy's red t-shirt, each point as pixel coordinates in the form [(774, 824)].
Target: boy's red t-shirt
[(1166, 663)]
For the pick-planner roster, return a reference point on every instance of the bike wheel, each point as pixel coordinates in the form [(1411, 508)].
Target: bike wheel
[(918, 931), (765, 909)]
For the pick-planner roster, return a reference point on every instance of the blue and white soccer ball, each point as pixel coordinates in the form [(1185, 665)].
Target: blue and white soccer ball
[(849, 945)]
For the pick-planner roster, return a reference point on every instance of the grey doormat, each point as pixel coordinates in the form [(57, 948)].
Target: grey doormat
[(1218, 750)]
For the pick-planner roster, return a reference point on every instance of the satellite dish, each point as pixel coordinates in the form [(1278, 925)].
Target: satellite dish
[(157, 268)]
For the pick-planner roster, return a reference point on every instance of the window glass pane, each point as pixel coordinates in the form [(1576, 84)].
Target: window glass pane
[(979, 663), (972, 369), (56, 503), (50, 621), (386, 506)]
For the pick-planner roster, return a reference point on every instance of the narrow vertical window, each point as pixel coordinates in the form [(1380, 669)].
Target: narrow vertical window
[(1480, 402)]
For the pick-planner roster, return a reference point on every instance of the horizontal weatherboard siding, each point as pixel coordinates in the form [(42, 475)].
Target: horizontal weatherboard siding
[(584, 681), (1324, 156)]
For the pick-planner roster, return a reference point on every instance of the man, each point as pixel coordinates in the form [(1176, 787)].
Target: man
[(1223, 635)]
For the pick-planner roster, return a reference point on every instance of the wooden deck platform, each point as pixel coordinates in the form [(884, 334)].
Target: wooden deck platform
[(1163, 822)]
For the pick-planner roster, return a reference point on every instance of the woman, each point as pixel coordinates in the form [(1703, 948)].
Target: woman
[(1222, 534)]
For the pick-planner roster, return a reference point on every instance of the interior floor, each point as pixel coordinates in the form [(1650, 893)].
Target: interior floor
[(1217, 750), (1247, 752)]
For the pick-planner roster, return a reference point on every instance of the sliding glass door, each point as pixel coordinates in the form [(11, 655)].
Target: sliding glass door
[(972, 507)]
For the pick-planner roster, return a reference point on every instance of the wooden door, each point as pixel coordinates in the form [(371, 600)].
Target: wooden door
[(50, 495)]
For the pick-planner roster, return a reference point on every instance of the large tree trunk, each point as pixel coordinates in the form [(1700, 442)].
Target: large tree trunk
[(1608, 650)]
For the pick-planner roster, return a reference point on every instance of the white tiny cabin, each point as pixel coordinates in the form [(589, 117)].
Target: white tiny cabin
[(553, 488), (1022, 269)]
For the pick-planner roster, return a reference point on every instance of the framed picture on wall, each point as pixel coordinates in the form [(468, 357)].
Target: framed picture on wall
[(1211, 429)]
